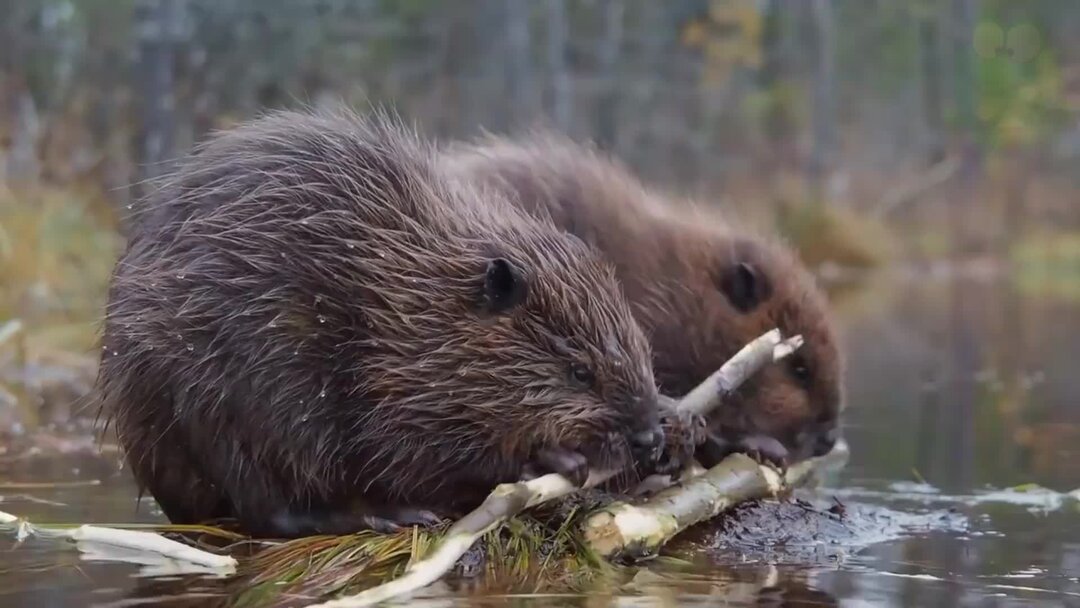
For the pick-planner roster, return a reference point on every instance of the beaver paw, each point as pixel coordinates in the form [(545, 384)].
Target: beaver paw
[(386, 520), (761, 448), (410, 516), (568, 463), (682, 434)]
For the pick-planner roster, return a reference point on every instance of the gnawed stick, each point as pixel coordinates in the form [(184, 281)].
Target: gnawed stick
[(508, 500), (764, 349), (95, 537), (625, 531)]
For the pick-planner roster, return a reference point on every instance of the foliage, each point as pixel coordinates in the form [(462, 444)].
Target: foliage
[(56, 253), (825, 234)]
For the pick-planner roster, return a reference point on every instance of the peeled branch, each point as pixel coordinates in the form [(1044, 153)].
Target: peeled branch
[(93, 539), (765, 349), (625, 531)]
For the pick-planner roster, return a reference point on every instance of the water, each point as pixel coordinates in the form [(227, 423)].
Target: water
[(965, 432)]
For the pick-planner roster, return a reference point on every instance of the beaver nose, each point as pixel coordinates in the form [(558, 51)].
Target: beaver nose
[(650, 439), (825, 442)]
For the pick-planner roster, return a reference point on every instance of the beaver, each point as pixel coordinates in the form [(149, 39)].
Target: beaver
[(702, 287), (310, 331)]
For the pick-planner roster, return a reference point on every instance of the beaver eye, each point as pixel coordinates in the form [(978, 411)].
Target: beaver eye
[(582, 375), (800, 370)]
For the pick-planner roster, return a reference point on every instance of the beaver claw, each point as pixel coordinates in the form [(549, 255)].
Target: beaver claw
[(568, 463)]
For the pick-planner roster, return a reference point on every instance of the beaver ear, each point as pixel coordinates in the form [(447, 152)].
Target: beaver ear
[(504, 286), (744, 286)]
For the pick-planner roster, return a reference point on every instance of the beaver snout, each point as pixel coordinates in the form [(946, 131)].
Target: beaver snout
[(825, 441), (647, 445)]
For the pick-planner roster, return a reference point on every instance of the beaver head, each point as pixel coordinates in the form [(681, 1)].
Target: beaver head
[(730, 289), (519, 334)]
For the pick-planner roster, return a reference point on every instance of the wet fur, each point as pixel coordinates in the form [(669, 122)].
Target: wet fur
[(298, 327), (701, 287)]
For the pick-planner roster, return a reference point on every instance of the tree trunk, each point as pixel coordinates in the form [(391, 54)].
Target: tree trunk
[(824, 101), (607, 59), (519, 65), (157, 23), (560, 107), (933, 104), (963, 30)]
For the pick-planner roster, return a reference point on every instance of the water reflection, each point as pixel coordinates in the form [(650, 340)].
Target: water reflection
[(958, 386)]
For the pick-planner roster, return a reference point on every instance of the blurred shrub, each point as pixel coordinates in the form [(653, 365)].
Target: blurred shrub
[(57, 249), (825, 234)]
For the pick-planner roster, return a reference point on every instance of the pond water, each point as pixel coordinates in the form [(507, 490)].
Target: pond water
[(964, 425)]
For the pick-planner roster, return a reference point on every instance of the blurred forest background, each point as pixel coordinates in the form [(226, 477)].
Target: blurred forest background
[(870, 132)]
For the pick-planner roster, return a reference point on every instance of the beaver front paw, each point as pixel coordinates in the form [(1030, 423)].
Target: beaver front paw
[(761, 448), (683, 433), (568, 463), (315, 522)]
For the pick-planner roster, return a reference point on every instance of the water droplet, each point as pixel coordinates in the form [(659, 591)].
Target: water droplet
[(180, 275), (153, 283), (382, 254), (321, 319), (272, 324), (114, 353), (105, 347), (304, 222), (282, 254), (318, 299), (301, 402), (179, 336), (296, 351), (350, 245), (129, 206), (305, 417), (190, 347), (322, 394)]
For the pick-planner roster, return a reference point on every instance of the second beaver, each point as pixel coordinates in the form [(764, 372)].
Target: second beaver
[(312, 331), (701, 288)]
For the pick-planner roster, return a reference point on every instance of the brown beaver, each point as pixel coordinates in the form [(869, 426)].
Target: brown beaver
[(701, 288), (310, 331)]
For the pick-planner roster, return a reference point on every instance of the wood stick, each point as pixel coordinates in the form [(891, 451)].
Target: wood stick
[(765, 349), (140, 542), (625, 531), (508, 500)]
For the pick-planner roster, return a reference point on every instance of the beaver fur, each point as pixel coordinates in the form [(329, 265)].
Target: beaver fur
[(311, 331), (701, 287)]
